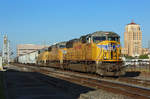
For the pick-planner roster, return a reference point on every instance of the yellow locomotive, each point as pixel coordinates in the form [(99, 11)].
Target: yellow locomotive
[(98, 52)]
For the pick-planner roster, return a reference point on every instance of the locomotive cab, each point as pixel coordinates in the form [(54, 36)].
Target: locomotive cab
[(106, 52)]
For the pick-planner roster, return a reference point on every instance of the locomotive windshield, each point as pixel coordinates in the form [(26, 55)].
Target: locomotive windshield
[(62, 46), (113, 38), (97, 39)]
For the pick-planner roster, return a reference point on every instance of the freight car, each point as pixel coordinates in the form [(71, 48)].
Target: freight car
[(98, 52), (29, 58)]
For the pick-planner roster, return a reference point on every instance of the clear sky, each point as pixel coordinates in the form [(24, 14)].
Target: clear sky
[(39, 21)]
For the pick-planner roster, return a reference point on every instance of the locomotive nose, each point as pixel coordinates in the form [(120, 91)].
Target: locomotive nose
[(110, 51)]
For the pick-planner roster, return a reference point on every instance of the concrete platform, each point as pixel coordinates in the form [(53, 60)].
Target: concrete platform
[(26, 85)]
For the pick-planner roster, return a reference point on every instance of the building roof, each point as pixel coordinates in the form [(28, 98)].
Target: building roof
[(30, 46), (132, 23)]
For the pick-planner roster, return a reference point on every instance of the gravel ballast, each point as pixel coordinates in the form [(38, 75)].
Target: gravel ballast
[(101, 94)]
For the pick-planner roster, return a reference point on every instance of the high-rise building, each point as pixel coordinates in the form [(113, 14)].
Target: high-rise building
[(133, 39)]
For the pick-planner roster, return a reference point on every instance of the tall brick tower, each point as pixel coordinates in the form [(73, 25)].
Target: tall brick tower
[(133, 39)]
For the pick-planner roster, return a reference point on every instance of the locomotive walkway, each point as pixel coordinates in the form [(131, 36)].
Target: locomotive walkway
[(26, 85)]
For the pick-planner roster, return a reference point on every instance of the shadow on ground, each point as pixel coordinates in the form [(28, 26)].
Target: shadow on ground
[(132, 74), (33, 85)]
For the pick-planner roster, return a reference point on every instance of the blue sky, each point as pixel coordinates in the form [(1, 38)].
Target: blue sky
[(39, 21)]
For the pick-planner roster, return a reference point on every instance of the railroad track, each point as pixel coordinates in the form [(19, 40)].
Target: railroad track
[(118, 88), (126, 80)]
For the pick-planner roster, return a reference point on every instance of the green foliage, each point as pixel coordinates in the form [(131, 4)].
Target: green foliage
[(140, 57), (129, 57), (143, 57), (4, 64)]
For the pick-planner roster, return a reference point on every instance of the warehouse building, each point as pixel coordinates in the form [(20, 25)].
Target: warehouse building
[(27, 48)]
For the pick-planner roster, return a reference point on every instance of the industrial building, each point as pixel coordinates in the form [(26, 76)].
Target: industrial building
[(27, 48)]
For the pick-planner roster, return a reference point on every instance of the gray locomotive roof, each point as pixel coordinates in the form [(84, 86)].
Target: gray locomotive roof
[(58, 44), (97, 33), (103, 33), (61, 43)]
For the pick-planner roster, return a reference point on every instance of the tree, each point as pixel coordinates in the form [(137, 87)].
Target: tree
[(129, 57), (143, 56)]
